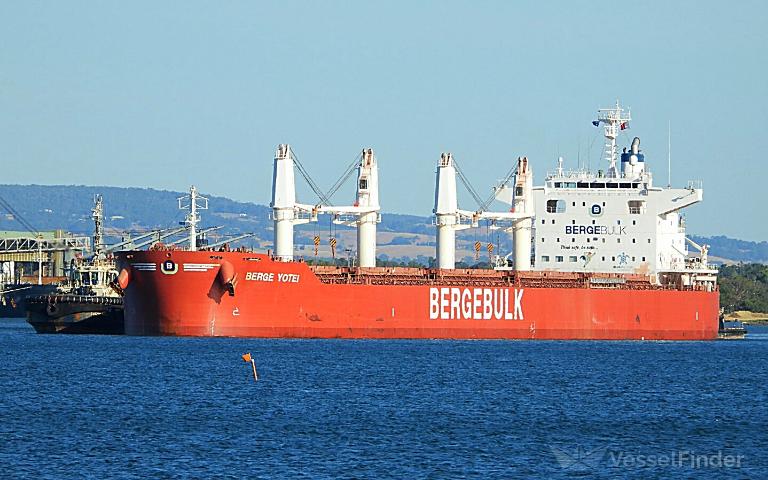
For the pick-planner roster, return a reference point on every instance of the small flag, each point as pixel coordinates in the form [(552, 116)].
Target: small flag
[(624, 125), (247, 357), (596, 123)]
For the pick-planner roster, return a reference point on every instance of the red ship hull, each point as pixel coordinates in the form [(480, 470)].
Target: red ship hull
[(239, 294)]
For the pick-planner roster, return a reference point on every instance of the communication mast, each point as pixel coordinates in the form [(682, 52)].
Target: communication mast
[(614, 120), (97, 214), (193, 202)]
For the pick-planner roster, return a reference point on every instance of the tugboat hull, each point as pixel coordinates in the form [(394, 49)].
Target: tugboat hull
[(77, 314)]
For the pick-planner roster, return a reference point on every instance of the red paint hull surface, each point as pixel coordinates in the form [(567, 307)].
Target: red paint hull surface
[(185, 293)]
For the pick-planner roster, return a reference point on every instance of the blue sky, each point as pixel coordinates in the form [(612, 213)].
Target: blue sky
[(167, 94)]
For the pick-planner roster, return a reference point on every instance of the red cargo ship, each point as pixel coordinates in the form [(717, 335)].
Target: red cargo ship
[(595, 256), (237, 294)]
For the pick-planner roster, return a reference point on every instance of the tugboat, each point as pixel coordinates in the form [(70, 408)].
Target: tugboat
[(91, 303), (732, 332)]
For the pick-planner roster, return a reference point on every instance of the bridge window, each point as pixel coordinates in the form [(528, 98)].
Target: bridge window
[(542, 239), (643, 258), (363, 184), (555, 206), (572, 259), (545, 258), (636, 207), (542, 221), (558, 258)]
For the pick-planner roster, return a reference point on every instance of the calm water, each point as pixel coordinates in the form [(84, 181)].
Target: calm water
[(133, 407)]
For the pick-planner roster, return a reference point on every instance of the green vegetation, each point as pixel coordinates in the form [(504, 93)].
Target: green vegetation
[(744, 287)]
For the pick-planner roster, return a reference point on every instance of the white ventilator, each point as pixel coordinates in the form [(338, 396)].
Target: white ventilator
[(448, 217), (286, 213)]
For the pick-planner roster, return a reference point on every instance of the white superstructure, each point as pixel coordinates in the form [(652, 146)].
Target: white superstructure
[(617, 220)]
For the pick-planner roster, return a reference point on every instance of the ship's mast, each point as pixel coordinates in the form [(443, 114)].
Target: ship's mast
[(97, 214), (193, 202), (614, 120)]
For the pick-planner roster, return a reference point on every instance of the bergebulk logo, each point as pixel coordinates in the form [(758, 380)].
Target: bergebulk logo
[(169, 267), (596, 210), (580, 458)]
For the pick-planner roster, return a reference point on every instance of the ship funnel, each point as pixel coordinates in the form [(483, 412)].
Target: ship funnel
[(283, 202), (523, 203), (367, 198), (633, 162)]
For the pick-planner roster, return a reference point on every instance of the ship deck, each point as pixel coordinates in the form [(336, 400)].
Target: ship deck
[(482, 278)]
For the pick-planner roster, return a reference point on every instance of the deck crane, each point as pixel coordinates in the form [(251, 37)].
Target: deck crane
[(287, 212), (449, 218)]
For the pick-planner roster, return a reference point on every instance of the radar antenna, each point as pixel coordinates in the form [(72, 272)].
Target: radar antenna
[(614, 120)]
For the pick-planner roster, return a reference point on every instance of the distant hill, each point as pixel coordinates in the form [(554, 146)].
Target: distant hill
[(735, 250), (68, 207)]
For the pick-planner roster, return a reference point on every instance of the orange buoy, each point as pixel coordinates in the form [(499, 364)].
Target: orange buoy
[(247, 358)]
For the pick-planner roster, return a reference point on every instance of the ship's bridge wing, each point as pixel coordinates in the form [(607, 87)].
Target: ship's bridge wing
[(673, 199)]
